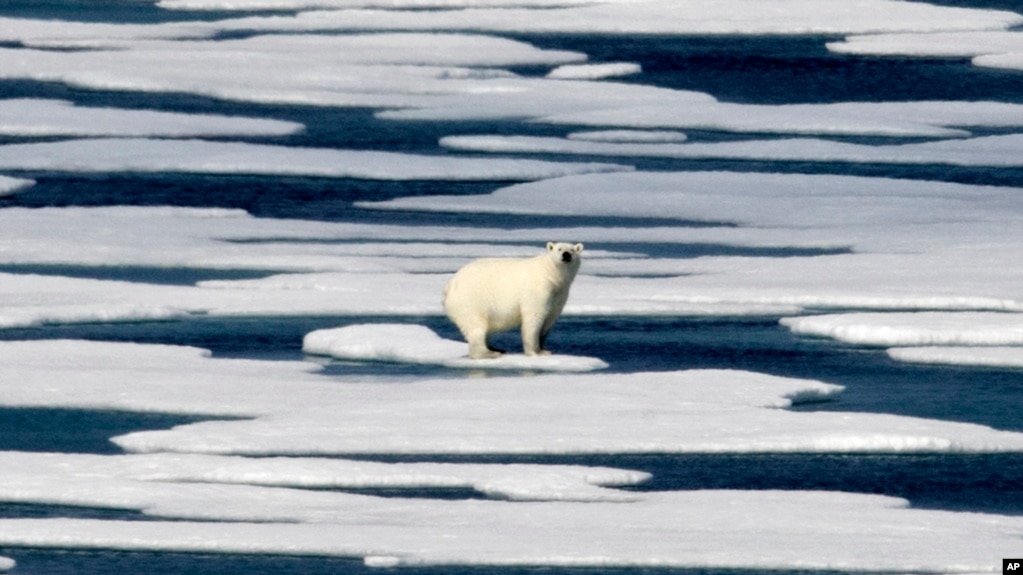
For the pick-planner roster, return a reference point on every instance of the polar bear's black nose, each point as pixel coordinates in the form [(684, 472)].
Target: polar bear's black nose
[(566, 257)]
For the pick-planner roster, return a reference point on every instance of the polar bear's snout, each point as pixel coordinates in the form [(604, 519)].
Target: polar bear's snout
[(566, 257)]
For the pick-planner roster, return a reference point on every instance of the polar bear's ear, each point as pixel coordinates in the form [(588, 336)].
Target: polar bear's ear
[(578, 248), (550, 246)]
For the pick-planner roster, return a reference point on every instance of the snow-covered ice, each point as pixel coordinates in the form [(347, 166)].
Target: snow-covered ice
[(890, 119), (211, 157), (418, 344), (157, 484), (997, 151), (760, 200), (655, 17), (949, 251), (773, 530), (960, 338), (294, 5), (47, 118), (999, 49), (914, 329), (10, 185), (594, 71), (991, 356), (645, 136), (371, 70), (289, 408)]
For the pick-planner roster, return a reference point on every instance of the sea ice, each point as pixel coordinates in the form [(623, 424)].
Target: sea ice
[(169, 480), (70, 34), (368, 70), (984, 47), (749, 199), (47, 118), (9, 186), (891, 119), (645, 136), (990, 356), (657, 17), (209, 157), (594, 71), (1010, 61), (995, 151), (295, 5), (765, 530), (298, 411), (914, 329), (418, 344)]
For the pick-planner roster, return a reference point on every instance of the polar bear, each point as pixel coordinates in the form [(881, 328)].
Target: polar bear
[(492, 295)]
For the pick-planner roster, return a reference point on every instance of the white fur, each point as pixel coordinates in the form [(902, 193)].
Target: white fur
[(497, 294)]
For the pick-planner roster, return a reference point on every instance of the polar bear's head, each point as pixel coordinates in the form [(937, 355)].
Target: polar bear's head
[(565, 253)]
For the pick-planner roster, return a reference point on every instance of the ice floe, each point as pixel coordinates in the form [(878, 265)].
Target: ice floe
[(10, 185), (555, 515), (704, 529), (418, 344), (911, 245), (657, 17), (71, 34), (461, 76), (645, 136), (157, 483), (594, 71), (1011, 61), (749, 199), (914, 329), (39, 118), (891, 119), (369, 70), (290, 409), (986, 48), (995, 151), (294, 5), (991, 356), (209, 157)]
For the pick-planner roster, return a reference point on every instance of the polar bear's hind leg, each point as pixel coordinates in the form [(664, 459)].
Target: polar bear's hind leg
[(476, 334)]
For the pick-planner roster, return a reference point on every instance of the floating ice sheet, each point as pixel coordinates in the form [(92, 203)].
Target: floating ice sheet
[(418, 344), (658, 17), (753, 199), (698, 529), (995, 151), (157, 484), (295, 5), (594, 71), (297, 411), (986, 48), (10, 185), (36, 118), (645, 136), (891, 119), (202, 156), (70, 34), (369, 70), (914, 329), (970, 356)]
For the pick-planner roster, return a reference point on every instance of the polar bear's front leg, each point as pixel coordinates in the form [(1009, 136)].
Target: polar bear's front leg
[(532, 335)]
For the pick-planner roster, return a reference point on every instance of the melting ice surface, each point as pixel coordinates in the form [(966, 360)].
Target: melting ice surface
[(417, 344), (927, 268)]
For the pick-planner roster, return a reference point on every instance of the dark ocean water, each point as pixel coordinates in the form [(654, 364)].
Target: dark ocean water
[(769, 70)]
